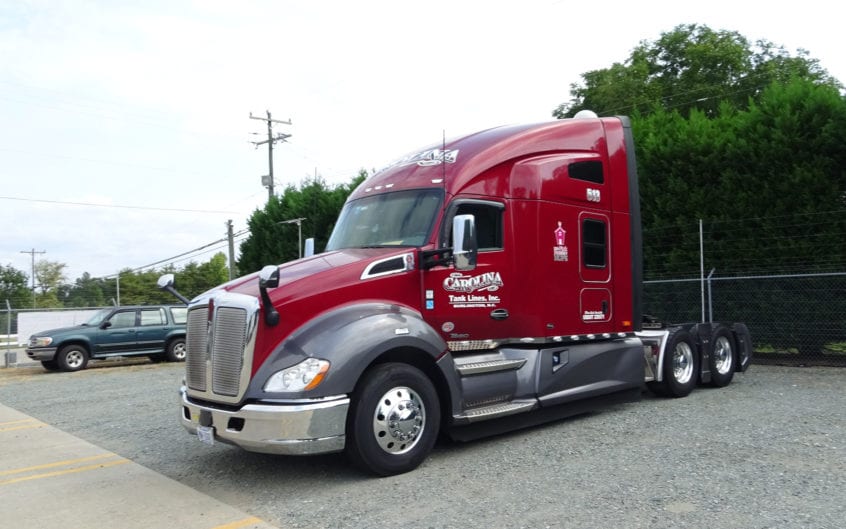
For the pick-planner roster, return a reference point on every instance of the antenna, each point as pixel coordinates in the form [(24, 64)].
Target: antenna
[(443, 170)]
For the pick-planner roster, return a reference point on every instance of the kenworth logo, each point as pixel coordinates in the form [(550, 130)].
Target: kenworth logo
[(490, 281)]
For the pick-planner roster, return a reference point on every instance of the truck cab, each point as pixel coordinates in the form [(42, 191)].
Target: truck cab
[(483, 284)]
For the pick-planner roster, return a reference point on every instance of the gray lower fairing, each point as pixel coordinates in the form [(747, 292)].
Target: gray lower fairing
[(351, 338)]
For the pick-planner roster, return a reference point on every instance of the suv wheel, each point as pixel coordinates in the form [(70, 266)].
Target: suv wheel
[(176, 350), (72, 358)]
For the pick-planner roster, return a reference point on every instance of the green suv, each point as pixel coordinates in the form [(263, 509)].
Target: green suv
[(157, 331)]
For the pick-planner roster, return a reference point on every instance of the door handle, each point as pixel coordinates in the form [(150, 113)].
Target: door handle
[(499, 314)]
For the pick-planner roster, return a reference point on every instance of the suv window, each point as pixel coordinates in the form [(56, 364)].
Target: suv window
[(153, 317), (179, 314), (123, 319)]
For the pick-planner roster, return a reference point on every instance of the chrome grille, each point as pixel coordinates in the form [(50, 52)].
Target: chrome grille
[(196, 343), (227, 357)]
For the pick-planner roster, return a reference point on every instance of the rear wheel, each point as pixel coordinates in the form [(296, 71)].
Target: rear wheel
[(680, 367), (722, 359), (72, 358), (393, 421), (176, 350)]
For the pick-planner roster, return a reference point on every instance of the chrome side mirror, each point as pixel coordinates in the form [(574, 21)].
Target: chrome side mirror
[(464, 243)]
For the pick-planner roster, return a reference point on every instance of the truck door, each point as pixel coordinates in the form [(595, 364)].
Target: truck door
[(474, 305)]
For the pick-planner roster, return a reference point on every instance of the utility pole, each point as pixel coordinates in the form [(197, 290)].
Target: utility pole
[(271, 139), (231, 238), (32, 253), (299, 223)]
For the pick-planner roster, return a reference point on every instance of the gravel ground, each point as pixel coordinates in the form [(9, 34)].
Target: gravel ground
[(769, 451)]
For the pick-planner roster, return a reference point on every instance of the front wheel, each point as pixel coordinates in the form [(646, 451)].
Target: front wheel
[(50, 365), (393, 421), (176, 350), (72, 358)]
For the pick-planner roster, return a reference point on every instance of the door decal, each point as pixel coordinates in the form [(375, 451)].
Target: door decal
[(467, 289), (559, 251)]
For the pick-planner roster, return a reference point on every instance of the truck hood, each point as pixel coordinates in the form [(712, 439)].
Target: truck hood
[(321, 264)]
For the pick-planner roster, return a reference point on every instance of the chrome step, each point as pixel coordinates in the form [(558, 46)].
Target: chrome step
[(496, 410), (489, 366)]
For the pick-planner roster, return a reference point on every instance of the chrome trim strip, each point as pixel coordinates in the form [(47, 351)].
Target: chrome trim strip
[(489, 366), (488, 345)]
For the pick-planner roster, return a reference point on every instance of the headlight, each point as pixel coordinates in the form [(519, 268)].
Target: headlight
[(40, 341), (302, 377)]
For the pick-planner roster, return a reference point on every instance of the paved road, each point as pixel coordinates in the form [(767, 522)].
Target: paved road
[(769, 451)]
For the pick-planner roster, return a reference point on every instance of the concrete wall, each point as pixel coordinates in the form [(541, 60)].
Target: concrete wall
[(30, 323)]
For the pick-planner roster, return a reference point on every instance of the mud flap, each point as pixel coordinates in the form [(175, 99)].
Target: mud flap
[(743, 339)]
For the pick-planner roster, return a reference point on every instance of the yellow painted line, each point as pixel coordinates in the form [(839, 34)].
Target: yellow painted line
[(66, 463), (28, 427), (63, 472), (240, 523), (2, 424)]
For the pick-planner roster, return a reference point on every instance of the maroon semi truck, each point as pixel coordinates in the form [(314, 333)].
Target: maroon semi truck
[(485, 284)]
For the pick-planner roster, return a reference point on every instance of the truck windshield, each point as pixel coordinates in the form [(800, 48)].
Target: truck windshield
[(402, 218)]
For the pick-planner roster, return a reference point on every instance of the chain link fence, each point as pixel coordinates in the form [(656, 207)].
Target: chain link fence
[(794, 319)]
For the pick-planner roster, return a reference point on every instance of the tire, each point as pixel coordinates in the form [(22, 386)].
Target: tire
[(723, 358), (401, 392), (50, 365), (680, 367), (176, 350), (72, 358)]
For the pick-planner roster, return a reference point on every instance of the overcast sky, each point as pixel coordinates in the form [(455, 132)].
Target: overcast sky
[(144, 106)]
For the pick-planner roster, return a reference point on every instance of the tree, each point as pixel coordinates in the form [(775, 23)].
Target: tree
[(13, 288), (690, 67), (769, 182), (50, 276), (272, 241), (195, 279), (86, 291)]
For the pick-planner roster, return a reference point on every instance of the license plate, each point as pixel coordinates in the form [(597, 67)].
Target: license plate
[(206, 434)]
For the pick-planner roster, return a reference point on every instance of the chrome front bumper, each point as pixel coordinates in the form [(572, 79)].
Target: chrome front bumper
[(299, 428)]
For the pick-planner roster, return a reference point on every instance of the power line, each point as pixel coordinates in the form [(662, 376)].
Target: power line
[(183, 254), (21, 199)]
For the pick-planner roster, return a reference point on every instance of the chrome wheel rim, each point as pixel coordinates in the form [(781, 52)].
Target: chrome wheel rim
[(179, 351), (722, 355), (74, 359), (398, 420), (682, 363)]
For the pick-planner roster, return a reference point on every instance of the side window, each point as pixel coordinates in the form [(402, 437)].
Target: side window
[(488, 223), (179, 314), (594, 245), (589, 171), (153, 317), (123, 319)]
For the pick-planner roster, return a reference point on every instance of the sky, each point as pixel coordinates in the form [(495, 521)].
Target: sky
[(125, 130)]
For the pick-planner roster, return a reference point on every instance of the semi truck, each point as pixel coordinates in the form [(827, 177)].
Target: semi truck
[(488, 283)]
